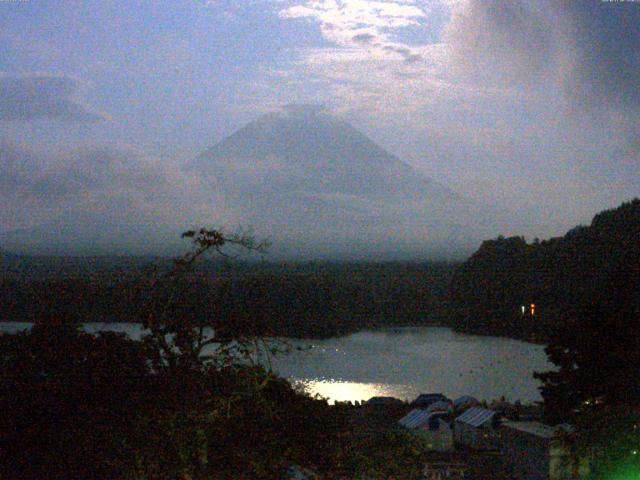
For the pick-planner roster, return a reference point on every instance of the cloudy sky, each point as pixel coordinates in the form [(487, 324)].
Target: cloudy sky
[(531, 105)]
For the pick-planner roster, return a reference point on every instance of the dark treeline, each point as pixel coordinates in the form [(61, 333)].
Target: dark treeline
[(559, 276), (292, 299), (484, 295)]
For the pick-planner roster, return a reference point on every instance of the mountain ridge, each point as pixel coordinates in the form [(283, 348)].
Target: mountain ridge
[(340, 158)]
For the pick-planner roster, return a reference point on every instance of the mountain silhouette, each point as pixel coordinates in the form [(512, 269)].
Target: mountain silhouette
[(305, 149), (313, 181)]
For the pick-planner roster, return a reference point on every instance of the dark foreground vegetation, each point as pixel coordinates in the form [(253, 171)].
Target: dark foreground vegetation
[(585, 289), (79, 406)]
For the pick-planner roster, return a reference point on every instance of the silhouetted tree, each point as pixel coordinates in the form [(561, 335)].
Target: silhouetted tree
[(597, 350), (70, 403)]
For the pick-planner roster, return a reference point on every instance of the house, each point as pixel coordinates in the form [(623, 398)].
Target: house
[(383, 401), (475, 428), (426, 399), (440, 406), (464, 402), (534, 451), (431, 427)]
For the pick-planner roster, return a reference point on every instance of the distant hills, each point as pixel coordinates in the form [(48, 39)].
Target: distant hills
[(312, 184)]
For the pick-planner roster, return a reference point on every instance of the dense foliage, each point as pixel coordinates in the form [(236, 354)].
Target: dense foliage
[(297, 300), (69, 401), (609, 438), (76, 405), (559, 276)]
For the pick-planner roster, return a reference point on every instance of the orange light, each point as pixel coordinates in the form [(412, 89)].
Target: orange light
[(533, 309)]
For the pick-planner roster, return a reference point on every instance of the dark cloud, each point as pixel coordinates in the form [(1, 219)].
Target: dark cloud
[(29, 98), (608, 43), (504, 41), (65, 176), (407, 55), (589, 48), (363, 38)]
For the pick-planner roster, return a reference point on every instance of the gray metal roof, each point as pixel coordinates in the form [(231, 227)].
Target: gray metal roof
[(415, 418), (465, 399), (476, 416), (418, 418), (440, 406), (536, 429)]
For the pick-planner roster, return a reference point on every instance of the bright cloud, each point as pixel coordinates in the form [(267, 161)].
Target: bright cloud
[(341, 17), (365, 23)]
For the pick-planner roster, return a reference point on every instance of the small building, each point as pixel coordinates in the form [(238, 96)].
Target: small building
[(535, 451), (476, 428), (426, 399), (464, 402), (431, 427), (440, 406), (383, 401)]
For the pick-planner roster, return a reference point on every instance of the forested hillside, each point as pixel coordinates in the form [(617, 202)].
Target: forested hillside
[(557, 276), (301, 300)]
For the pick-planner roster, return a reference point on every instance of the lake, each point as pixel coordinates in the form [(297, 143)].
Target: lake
[(401, 362)]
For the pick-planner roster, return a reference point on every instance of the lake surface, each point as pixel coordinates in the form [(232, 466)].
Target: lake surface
[(401, 362)]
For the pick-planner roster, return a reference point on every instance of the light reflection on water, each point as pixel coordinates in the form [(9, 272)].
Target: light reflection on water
[(340, 391), (404, 362)]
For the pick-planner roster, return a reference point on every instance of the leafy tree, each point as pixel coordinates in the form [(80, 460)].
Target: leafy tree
[(178, 333), (597, 351), (190, 400), (68, 401), (561, 276), (608, 438)]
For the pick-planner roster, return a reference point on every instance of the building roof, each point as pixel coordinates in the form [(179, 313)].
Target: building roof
[(440, 406), (426, 399), (417, 418), (533, 428), (465, 400), (382, 400), (476, 416)]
